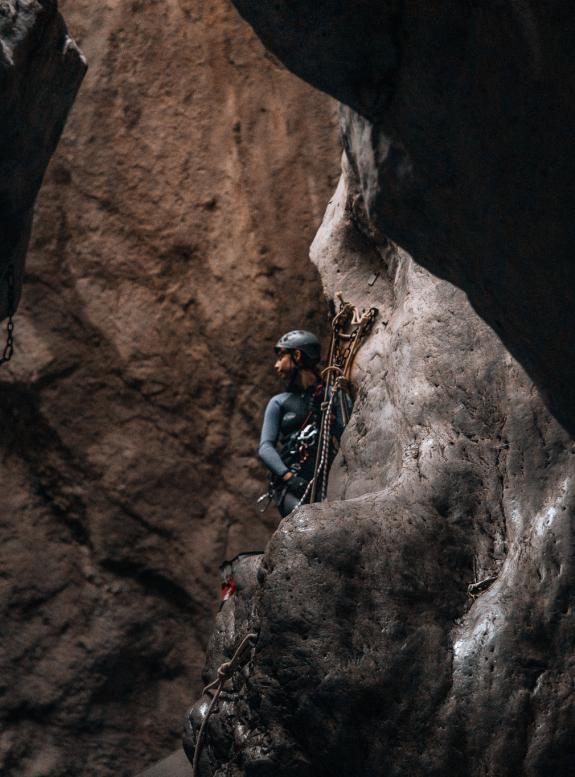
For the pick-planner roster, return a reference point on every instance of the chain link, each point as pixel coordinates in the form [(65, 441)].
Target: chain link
[(11, 298)]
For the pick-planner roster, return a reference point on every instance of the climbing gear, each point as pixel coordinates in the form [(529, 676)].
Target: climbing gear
[(299, 444), (349, 329), (264, 501), (9, 346), (305, 441), (225, 672), (300, 340), (228, 589)]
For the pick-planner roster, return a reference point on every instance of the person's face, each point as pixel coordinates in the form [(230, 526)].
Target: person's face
[(284, 365)]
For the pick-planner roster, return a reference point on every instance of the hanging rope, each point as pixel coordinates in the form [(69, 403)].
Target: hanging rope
[(349, 329), (225, 671)]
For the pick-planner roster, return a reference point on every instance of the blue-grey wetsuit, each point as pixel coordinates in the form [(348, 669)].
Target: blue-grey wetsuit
[(287, 414)]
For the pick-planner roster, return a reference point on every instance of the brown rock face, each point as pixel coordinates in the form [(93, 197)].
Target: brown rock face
[(170, 250)]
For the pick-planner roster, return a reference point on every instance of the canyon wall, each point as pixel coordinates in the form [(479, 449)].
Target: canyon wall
[(169, 251), (420, 622)]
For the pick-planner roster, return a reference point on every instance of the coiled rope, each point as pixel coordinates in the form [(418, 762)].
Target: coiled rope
[(348, 330)]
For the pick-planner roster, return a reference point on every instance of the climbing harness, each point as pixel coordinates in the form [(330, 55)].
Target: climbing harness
[(11, 298), (349, 329), (225, 672)]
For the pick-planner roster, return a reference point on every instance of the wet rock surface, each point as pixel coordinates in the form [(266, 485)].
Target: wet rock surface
[(169, 251), (457, 122), (373, 658), (41, 69)]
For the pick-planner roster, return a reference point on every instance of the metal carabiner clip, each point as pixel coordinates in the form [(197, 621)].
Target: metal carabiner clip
[(263, 502), (307, 434)]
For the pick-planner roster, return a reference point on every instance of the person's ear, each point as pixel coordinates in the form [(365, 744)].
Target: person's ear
[(297, 357)]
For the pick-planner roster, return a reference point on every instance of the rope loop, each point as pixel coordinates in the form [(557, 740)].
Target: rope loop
[(225, 671)]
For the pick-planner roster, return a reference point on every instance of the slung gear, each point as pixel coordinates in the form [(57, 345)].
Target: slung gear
[(349, 329)]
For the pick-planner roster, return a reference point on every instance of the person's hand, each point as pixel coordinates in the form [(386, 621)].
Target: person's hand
[(289, 474), (297, 486)]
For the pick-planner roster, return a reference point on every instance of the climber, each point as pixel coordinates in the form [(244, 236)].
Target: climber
[(293, 417)]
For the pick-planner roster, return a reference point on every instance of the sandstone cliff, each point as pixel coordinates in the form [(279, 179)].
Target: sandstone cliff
[(169, 250)]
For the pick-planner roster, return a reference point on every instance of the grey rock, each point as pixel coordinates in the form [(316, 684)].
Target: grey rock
[(226, 732), (458, 122), (41, 69), (420, 621)]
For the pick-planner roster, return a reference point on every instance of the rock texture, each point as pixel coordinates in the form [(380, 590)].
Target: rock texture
[(374, 655), (458, 122), (169, 250), (40, 72)]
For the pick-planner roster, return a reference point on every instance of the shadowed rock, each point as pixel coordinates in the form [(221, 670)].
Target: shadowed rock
[(41, 69), (458, 123), (175, 765)]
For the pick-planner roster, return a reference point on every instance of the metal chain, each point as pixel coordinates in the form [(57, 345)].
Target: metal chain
[(11, 298)]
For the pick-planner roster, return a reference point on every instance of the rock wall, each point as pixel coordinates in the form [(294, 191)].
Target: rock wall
[(458, 124), (378, 652), (169, 250), (419, 622)]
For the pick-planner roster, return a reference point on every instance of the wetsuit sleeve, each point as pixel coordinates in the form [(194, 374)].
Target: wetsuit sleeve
[(269, 437)]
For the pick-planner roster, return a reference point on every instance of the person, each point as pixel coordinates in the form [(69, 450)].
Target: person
[(293, 418)]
